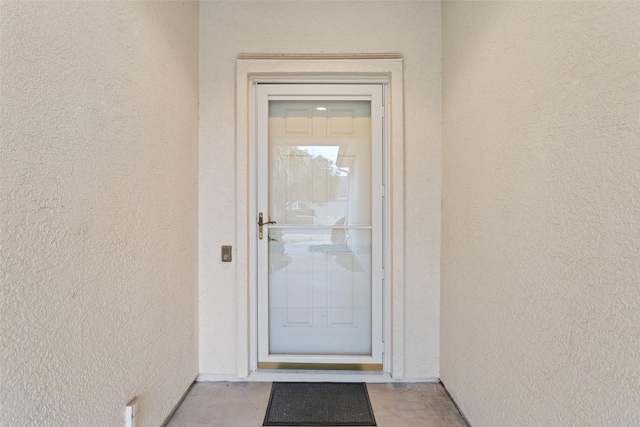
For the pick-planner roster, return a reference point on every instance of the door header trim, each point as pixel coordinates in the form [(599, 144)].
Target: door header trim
[(321, 56)]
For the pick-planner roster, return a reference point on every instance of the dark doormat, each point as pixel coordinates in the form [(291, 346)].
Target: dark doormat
[(319, 404)]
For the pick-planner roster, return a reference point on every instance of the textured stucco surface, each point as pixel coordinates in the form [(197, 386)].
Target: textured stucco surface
[(230, 28), (541, 232), (99, 129)]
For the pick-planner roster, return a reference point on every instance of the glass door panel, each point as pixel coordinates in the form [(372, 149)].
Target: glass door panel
[(320, 271), (320, 291)]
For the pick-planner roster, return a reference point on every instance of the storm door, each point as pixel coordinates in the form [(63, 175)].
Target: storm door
[(319, 225)]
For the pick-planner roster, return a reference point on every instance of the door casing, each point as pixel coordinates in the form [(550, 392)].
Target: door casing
[(385, 69)]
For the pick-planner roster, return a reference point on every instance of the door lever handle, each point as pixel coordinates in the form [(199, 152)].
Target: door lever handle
[(260, 224)]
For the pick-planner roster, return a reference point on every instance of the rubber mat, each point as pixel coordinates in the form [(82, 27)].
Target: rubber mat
[(319, 404)]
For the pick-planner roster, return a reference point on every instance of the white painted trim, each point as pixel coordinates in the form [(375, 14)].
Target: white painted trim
[(341, 69), (321, 56)]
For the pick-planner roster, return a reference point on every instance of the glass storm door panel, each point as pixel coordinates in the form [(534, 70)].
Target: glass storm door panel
[(320, 195)]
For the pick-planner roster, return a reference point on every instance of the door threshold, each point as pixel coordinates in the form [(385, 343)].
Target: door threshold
[(356, 367), (266, 375)]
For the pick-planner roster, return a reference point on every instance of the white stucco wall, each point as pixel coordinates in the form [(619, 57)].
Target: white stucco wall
[(541, 186), (231, 28), (98, 155)]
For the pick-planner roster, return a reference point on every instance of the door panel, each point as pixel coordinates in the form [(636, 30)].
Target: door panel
[(320, 186)]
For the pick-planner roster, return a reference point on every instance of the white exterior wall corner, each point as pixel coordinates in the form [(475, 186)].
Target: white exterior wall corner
[(99, 131), (541, 186), (229, 29)]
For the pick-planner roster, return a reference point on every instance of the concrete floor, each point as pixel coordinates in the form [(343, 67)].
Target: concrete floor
[(244, 405)]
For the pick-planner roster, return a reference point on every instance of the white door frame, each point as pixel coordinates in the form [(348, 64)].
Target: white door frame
[(385, 69)]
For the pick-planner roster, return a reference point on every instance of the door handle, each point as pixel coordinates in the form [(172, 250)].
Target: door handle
[(260, 224)]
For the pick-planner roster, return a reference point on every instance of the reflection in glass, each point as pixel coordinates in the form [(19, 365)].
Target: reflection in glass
[(320, 171), (320, 279)]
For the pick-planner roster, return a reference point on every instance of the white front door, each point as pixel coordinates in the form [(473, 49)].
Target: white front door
[(319, 225)]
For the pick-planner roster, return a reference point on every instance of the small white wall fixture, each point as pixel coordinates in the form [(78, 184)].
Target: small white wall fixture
[(376, 68)]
